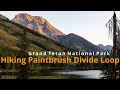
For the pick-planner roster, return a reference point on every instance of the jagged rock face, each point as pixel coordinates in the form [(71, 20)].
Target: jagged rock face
[(107, 47), (38, 24)]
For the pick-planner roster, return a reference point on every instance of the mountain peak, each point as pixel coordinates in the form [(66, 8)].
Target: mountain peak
[(74, 35), (29, 17), (38, 24), (71, 34), (22, 16)]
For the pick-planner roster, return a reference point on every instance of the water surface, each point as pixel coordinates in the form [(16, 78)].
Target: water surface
[(88, 74)]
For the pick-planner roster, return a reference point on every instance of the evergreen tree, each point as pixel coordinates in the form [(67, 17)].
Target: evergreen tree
[(23, 71)]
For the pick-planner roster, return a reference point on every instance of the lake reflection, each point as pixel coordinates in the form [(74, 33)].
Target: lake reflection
[(86, 74)]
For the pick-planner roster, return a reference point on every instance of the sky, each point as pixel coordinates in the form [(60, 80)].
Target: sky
[(87, 24)]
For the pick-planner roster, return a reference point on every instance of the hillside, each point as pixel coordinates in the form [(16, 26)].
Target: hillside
[(78, 43), (10, 35)]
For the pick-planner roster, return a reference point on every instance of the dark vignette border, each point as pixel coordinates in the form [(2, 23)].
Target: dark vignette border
[(55, 5)]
